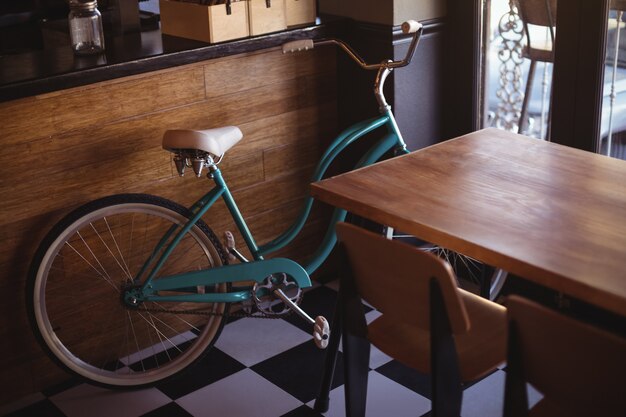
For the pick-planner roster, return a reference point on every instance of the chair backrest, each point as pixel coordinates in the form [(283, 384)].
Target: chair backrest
[(579, 368), (394, 277), (537, 12)]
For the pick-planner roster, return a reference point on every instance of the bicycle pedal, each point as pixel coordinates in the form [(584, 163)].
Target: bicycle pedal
[(321, 332)]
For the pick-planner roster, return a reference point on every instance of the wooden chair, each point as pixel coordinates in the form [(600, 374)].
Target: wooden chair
[(580, 369), (536, 13), (427, 323)]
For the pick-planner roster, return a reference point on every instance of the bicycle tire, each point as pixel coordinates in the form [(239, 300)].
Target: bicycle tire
[(471, 274), (74, 293)]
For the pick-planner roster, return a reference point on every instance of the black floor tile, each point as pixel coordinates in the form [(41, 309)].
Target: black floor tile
[(214, 366), (299, 371), (63, 386), (303, 411), (169, 410), (319, 301), (43, 408)]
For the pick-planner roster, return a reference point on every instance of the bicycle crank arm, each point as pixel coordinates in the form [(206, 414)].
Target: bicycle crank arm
[(321, 330)]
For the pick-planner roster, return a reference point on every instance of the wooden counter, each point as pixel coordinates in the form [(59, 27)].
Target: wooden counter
[(55, 67), (69, 146)]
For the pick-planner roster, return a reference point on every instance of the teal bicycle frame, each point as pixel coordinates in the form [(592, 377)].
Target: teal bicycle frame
[(185, 285), (259, 268)]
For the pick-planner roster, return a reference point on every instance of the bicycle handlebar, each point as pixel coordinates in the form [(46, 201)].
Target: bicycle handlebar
[(410, 26)]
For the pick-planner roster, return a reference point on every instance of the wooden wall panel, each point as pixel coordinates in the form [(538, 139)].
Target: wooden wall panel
[(285, 159), (274, 67), (63, 149), (25, 119), (100, 103)]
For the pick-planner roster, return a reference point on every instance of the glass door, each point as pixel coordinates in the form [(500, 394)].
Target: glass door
[(516, 65), (613, 128)]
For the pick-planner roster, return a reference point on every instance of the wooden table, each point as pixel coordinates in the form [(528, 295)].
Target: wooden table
[(552, 214)]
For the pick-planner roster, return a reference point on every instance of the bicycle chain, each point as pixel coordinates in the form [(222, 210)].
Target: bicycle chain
[(260, 315)]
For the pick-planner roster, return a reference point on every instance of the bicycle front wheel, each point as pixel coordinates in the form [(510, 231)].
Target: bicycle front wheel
[(77, 279), (472, 275)]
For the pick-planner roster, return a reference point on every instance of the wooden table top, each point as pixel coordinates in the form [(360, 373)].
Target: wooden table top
[(552, 214)]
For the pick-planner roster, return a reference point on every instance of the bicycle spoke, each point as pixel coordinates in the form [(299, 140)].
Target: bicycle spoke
[(132, 326), (160, 341), (181, 319), (154, 354), (123, 268), (106, 278), (130, 238), (160, 332), (89, 328), (81, 274)]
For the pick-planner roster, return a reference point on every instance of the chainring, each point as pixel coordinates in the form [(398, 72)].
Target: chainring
[(270, 304)]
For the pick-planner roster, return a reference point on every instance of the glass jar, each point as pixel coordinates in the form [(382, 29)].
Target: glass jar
[(86, 27)]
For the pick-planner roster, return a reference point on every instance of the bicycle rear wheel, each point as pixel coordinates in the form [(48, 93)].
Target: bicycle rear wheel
[(76, 281)]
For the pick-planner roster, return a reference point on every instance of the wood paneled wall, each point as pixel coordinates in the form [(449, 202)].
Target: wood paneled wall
[(62, 149)]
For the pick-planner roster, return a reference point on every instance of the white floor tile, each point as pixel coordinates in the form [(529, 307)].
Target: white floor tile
[(251, 341), (243, 394), (486, 398), (384, 398), (86, 400), (534, 396), (158, 348), (372, 315)]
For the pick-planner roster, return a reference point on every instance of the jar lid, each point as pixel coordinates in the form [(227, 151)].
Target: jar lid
[(84, 4)]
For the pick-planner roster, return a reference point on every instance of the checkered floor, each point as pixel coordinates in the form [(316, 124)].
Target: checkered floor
[(264, 368)]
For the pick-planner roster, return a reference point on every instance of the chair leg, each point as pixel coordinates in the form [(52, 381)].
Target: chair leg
[(523, 118), (356, 346), (515, 395), (356, 361), (447, 390)]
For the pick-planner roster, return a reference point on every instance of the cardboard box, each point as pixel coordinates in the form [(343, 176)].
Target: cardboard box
[(266, 16), (204, 23), (300, 12)]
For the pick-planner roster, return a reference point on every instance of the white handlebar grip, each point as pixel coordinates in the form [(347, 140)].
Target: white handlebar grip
[(295, 46), (411, 26)]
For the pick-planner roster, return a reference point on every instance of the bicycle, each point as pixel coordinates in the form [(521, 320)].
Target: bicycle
[(131, 289)]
